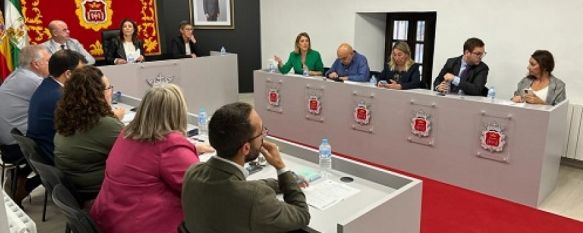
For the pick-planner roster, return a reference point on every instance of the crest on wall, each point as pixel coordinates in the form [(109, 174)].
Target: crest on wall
[(273, 97), (94, 14)]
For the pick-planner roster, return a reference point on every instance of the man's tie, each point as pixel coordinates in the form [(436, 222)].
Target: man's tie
[(463, 75)]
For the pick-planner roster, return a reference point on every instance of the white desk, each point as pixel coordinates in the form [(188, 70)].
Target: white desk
[(386, 202), (209, 82), (525, 171)]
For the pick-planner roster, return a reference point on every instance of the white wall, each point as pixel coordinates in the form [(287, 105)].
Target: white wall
[(512, 30)]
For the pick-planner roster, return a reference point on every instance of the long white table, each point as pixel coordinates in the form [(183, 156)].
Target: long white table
[(208, 82), (524, 171)]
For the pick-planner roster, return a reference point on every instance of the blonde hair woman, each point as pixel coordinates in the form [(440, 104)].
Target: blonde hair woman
[(401, 73), (145, 168)]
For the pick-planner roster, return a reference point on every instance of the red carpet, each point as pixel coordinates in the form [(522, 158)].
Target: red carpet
[(450, 209)]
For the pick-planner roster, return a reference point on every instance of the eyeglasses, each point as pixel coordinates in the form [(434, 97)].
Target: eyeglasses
[(481, 55), (263, 133), (110, 87)]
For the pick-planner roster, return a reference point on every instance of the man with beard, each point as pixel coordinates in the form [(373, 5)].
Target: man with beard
[(216, 196)]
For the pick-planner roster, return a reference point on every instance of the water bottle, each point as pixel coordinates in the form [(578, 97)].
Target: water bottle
[(306, 71), (325, 157), (272, 67), (491, 93), (202, 118), (223, 51), (373, 80), (116, 97)]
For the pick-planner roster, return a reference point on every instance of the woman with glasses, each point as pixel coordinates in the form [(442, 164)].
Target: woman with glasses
[(145, 168), (401, 73), (540, 86), (303, 58), (86, 127), (184, 45), (126, 48)]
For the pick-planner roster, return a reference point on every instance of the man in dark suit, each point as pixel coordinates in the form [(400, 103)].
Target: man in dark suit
[(466, 73), (216, 197), (211, 9)]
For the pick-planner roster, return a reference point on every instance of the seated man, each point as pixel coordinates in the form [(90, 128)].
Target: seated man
[(15, 96), (216, 196), (41, 112), (350, 65), (466, 73), (60, 39)]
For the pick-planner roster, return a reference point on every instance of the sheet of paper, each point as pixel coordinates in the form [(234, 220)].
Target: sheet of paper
[(324, 194)]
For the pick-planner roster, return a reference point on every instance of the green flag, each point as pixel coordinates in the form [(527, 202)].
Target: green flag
[(15, 28)]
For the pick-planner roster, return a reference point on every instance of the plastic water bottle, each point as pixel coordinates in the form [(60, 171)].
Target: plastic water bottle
[(325, 157), (306, 71), (223, 51), (491, 93), (116, 97), (373, 80), (202, 118), (272, 67)]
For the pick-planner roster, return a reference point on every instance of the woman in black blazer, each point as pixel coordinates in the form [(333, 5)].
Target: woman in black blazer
[(127, 47), (178, 44), (401, 73)]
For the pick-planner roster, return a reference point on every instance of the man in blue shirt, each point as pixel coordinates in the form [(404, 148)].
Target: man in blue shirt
[(350, 65), (41, 112)]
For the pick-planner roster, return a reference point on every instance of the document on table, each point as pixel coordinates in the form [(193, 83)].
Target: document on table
[(326, 193)]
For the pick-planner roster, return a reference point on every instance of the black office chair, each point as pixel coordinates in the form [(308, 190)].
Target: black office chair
[(182, 228), (77, 219), (377, 74), (106, 37), (31, 152)]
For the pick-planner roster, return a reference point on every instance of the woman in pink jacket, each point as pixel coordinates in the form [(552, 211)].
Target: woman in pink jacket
[(145, 168)]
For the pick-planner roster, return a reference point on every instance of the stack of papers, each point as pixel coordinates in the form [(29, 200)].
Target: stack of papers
[(323, 195)]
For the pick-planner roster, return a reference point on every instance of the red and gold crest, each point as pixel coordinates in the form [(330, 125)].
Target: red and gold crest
[(273, 97), (314, 105), (362, 114), (420, 124), (94, 14), (493, 138)]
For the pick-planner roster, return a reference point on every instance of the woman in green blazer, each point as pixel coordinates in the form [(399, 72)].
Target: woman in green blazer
[(302, 56)]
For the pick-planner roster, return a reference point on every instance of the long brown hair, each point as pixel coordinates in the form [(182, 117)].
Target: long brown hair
[(83, 102)]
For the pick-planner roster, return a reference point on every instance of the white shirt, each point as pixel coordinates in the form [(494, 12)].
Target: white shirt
[(542, 93), (187, 47)]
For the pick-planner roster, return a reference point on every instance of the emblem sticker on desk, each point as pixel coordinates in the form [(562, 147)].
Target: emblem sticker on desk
[(314, 105), (362, 113), (273, 97), (493, 138), (421, 124)]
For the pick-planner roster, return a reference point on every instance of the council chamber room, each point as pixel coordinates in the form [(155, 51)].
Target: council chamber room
[(290, 116)]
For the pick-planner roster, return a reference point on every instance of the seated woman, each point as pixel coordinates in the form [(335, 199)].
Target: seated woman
[(127, 48), (540, 86), (86, 128), (302, 57), (184, 45), (401, 73), (145, 168)]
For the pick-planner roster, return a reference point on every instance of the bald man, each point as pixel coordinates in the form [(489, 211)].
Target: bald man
[(350, 65), (61, 40)]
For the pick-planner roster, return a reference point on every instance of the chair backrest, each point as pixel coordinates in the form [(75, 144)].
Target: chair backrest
[(182, 228), (106, 36), (78, 220), (52, 176), (28, 146)]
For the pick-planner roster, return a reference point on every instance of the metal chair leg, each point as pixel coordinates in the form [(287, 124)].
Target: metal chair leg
[(45, 206)]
